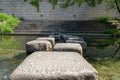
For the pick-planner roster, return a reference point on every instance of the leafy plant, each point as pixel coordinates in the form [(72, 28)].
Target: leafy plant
[(53, 2), (65, 4), (113, 31), (116, 40), (111, 4), (103, 19), (7, 23), (113, 22)]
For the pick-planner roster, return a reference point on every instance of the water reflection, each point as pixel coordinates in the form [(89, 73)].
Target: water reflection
[(12, 53), (102, 48)]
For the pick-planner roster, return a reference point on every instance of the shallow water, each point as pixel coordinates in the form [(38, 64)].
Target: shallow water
[(12, 52)]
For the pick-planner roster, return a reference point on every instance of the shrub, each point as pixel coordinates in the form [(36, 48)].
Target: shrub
[(113, 31), (7, 23), (103, 19)]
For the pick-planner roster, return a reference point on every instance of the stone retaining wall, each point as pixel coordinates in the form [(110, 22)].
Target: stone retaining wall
[(23, 10)]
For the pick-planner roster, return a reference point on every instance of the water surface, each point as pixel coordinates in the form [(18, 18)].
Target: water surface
[(12, 51)]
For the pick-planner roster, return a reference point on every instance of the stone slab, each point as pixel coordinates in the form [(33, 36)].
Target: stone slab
[(56, 36), (73, 47), (82, 43), (37, 45), (54, 66), (51, 39)]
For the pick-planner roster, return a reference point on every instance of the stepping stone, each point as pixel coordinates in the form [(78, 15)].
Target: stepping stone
[(82, 43), (66, 37), (73, 47), (54, 66), (56, 36), (76, 38), (36, 45), (51, 39)]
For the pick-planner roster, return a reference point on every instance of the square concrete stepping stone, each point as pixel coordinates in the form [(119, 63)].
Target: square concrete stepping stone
[(37, 45), (82, 43), (54, 66), (56, 36), (51, 39), (73, 47)]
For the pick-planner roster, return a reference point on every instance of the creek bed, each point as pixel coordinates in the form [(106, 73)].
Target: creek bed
[(12, 51)]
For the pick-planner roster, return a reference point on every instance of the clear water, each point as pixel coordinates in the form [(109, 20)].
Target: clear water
[(12, 51)]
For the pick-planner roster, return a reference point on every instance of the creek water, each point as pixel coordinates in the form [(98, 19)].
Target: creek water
[(12, 51)]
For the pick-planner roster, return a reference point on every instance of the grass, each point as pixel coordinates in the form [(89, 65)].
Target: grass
[(108, 69)]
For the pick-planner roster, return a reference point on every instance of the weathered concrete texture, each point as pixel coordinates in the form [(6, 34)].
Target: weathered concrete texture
[(35, 45), (82, 43), (51, 39), (73, 47), (47, 26), (54, 66)]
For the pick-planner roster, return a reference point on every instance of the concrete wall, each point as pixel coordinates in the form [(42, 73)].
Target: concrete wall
[(24, 10)]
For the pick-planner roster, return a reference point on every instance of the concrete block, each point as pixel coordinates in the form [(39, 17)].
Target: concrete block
[(73, 47), (56, 36), (35, 45), (82, 43), (51, 39), (54, 66)]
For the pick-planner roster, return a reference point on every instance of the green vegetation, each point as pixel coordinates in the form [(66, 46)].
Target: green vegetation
[(111, 4), (108, 69), (65, 3), (106, 64), (113, 31), (106, 19), (9, 43), (7, 23), (8, 47), (116, 40)]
